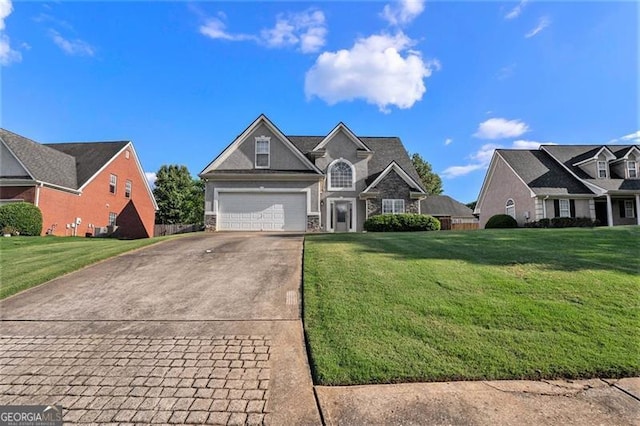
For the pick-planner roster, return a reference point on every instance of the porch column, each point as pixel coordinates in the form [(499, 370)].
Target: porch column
[(638, 209), (609, 211)]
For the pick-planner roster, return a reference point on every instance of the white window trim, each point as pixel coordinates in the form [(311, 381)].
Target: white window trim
[(510, 204), (113, 181), (393, 206), (630, 169), (268, 154), (353, 176), (354, 220), (628, 209), (128, 185), (567, 210), (599, 169), (115, 218)]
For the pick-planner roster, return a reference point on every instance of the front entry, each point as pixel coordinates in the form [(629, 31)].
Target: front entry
[(341, 215), (601, 212)]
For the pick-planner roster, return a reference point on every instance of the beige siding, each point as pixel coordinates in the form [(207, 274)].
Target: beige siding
[(583, 207), (281, 157), (502, 185)]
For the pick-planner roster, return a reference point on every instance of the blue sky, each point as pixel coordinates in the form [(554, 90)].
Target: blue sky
[(454, 80)]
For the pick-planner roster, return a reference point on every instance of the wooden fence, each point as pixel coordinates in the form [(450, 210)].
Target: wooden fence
[(464, 226), (176, 228)]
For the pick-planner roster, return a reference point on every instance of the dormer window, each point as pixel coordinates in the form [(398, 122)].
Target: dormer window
[(632, 169), (263, 152), (602, 170), (341, 176)]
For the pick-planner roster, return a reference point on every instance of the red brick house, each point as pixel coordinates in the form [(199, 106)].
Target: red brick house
[(90, 188)]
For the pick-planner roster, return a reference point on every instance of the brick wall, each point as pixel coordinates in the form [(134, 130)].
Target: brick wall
[(26, 193)]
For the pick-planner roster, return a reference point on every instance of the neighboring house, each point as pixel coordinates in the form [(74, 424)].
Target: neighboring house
[(267, 181), (594, 181), (452, 214), (81, 188)]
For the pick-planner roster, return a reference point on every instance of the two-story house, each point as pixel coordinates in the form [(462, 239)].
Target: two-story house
[(594, 181), (267, 181), (81, 189)]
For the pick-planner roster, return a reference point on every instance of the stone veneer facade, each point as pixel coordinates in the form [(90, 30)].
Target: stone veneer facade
[(394, 187)]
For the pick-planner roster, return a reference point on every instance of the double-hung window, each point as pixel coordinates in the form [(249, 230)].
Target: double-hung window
[(113, 183), (632, 169), (390, 206), (112, 218), (628, 208), (262, 152), (127, 189), (565, 208), (602, 170)]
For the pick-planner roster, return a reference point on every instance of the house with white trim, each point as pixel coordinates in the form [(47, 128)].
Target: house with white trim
[(268, 181), (600, 182), (82, 189)]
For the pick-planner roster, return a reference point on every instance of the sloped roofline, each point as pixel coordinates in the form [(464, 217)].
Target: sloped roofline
[(400, 171), (598, 190), (626, 156), (341, 126), (129, 145), (239, 139), (611, 156), (17, 158)]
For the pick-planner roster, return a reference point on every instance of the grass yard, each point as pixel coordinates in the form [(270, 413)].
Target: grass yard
[(490, 304), (28, 261)]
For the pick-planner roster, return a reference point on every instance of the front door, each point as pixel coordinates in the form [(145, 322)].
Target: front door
[(601, 212), (342, 216)]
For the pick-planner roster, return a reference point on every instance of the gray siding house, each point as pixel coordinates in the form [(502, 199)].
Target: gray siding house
[(595, 181), (266, 181)]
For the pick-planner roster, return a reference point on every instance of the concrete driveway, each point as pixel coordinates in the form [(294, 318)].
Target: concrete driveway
[(202, 329)]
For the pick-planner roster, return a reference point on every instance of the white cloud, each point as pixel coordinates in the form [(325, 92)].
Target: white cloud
[(482, 157), (448, 141), (375, 70), (305, 29), (632, 137), (216, 29), (543, 23), (151, 178), (402, 12), (500, 128), (75, 47), (516, 11), (506, 72), (7, 54)]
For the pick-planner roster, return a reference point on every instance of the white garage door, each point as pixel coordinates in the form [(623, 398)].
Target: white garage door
[(262, 211)]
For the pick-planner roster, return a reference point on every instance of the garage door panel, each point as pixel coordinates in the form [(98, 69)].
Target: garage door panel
[(262, 211)]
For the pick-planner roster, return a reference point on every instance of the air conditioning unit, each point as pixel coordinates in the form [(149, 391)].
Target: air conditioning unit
[(100, 231)]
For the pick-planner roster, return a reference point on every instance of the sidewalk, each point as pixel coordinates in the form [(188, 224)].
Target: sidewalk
[(560, 402)]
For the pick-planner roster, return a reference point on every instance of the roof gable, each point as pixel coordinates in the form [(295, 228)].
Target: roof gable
[(341, 127), (262, 120), (10, 165), (43, 163), (395, 167), (602, 151)]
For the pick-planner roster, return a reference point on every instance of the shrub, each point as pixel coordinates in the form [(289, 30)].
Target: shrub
[(564, 222), (501, 221), (24, 218), (406, 222)]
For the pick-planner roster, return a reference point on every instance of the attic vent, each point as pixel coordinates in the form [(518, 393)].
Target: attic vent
[(126, 154)]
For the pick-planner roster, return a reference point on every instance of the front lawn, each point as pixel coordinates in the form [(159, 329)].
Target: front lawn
[(490, 304), (28, 261)]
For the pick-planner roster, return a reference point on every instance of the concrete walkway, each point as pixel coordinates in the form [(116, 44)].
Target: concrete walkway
[(206, 329)]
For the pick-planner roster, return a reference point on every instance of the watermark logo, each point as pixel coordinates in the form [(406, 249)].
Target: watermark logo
[(30, 415)]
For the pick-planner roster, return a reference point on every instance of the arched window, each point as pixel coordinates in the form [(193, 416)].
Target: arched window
[(510, 208), (341, 175)]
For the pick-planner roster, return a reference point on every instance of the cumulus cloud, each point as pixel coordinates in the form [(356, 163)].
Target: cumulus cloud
[(543, 23), (480, 159), (402, 12), (7, 54), (500, 128), (516, 11), (75, 47), (632, 138), (448, 141), (151, 178), (307, 30), (381, 69)]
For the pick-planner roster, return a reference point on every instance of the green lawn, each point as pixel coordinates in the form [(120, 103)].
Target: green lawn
[(28, 261), (490, 304)]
